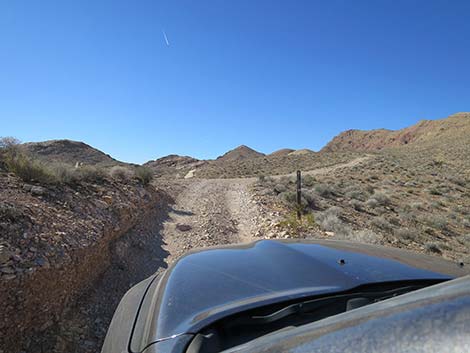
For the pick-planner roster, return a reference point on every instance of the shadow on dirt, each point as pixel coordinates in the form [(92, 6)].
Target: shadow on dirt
[(135, 256)]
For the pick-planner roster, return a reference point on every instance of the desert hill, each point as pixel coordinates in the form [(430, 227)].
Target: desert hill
[(240, 153), (70, 152), (281, 152), (424, 132), (173, 165)]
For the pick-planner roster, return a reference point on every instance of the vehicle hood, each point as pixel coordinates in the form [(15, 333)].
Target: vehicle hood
[(207, 285)]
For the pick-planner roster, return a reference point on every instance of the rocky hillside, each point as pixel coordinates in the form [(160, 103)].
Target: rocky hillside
[(245, 162), (58, 230), (281, 152), (70, 152), (173, 166), (424, 132)]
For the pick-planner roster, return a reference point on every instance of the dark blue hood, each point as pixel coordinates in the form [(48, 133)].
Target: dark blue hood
[(205, 286)]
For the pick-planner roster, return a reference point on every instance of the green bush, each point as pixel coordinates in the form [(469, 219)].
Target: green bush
[(308, 181), (144, 175), (324, 190), (296, 225), (279, 188)]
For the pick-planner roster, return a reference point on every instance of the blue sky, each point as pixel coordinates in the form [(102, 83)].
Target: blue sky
[(268, 74)]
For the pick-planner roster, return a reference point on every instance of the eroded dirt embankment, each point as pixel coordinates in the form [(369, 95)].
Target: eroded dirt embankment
[(56, 243)]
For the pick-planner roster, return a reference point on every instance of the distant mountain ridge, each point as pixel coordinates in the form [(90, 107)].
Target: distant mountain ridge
[(424, 132)]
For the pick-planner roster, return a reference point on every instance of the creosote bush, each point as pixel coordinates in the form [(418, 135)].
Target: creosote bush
[(144, 175)]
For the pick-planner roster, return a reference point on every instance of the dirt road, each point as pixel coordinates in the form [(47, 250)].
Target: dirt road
[(205, 212), (210, 212)]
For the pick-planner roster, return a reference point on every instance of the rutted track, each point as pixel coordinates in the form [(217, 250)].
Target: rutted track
[(205, 212), (209, 212)]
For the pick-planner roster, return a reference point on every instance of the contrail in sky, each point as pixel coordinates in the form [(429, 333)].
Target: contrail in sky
[(166, 38)]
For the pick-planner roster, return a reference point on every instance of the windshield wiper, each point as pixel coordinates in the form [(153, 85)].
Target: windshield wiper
[(351, 301)]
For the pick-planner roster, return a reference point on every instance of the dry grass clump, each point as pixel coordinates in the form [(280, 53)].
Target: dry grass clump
[(121, 173), (66, 174), (15, 160)]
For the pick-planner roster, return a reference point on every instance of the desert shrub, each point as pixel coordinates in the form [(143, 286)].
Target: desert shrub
[(437, 222), (366, 236), (9, 148), (333, 211), (465, 240), (405, 234), (372, 203), (433, 248), (64, 173), (30, 170), (437, 204), (329, 220), (416, 205), (311, 199), (288, 197), (382, 198), (435, 191), (357, 205), (408, 216), (287, 180), (466, 223), (121, 173), (457, 180), (381, 223), (461, 209), (355, 195), (9, 213), (67, 174), (308, 181), (279, 188), (90, 173), (298, 225), (144, 175), (324, 190)]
